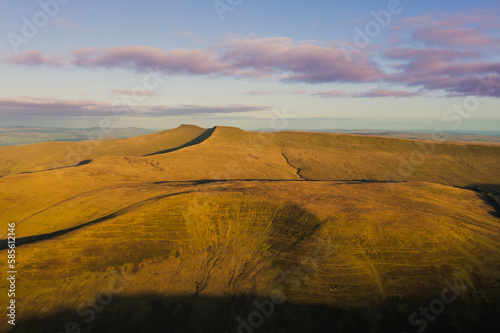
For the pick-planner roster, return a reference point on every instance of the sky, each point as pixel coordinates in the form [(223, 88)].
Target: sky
[(253, 64)]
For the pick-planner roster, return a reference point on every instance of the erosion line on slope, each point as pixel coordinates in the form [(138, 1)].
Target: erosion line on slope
[(290, 164)]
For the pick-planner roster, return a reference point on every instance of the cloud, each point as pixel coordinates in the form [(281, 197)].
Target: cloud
[(445, 69), (332, 93), (134, 92), (32, 59), (26, 106), (388, 93), (272, 92), (462, 29), (451, 52), (296, 62), (378, 92), (183, 33), (144, 58), (65, 24), (444, 34), (278, 57), (260, 92)]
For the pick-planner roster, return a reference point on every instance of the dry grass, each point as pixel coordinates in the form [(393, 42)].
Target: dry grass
[(181, 237)]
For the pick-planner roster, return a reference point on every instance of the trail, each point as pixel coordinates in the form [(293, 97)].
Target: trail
[(38, 238)]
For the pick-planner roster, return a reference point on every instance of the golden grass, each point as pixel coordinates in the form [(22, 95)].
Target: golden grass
[(376, 241)]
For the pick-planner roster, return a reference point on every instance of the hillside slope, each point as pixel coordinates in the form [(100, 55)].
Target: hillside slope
[(357, 246), (231, 154), (50, 155), (203, 221)]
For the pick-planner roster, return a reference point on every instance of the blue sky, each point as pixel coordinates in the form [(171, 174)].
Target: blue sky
[(426, 65)]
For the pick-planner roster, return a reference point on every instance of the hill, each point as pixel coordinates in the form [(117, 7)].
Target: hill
[(50, 155), (205, 226)]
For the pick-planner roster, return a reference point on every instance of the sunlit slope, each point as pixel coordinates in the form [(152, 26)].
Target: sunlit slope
[(333, 156), (36, 193), (227, 239), (231, 153), (317, 156), (50, 155)]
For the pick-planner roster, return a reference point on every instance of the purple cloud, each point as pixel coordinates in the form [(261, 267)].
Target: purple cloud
[(452, 56), (134, 92), (298, 62), (144, 58), (378, 92), (463, 29), (260, 92), (272, 57), (445, 69), (25, 106), (33, 58)]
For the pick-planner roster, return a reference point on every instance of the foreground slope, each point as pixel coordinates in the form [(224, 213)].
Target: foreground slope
[(336, 250)]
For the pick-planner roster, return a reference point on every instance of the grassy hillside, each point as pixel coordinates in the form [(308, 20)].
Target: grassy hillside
[(231, 153), (358, 245), (210, 220), (50, 155)]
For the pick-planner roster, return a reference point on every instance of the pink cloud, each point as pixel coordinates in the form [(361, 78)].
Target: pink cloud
[(65, 24), (463, 29), (388, 93), (455, 66), (260, 92), (378, 92), (33, 58), (183, 33), (143, 58), (44, 106), (435, 35), (300, 62), (450, 70), (134, 92), (271, 57), (26, 106), (333, 93)]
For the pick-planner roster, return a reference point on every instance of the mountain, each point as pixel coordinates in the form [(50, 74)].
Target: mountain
[(223, 230)]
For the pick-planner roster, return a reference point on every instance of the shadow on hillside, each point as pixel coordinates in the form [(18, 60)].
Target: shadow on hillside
[(247, 313), (490, 193), (210, 181), (83, 162), (205, 135)]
